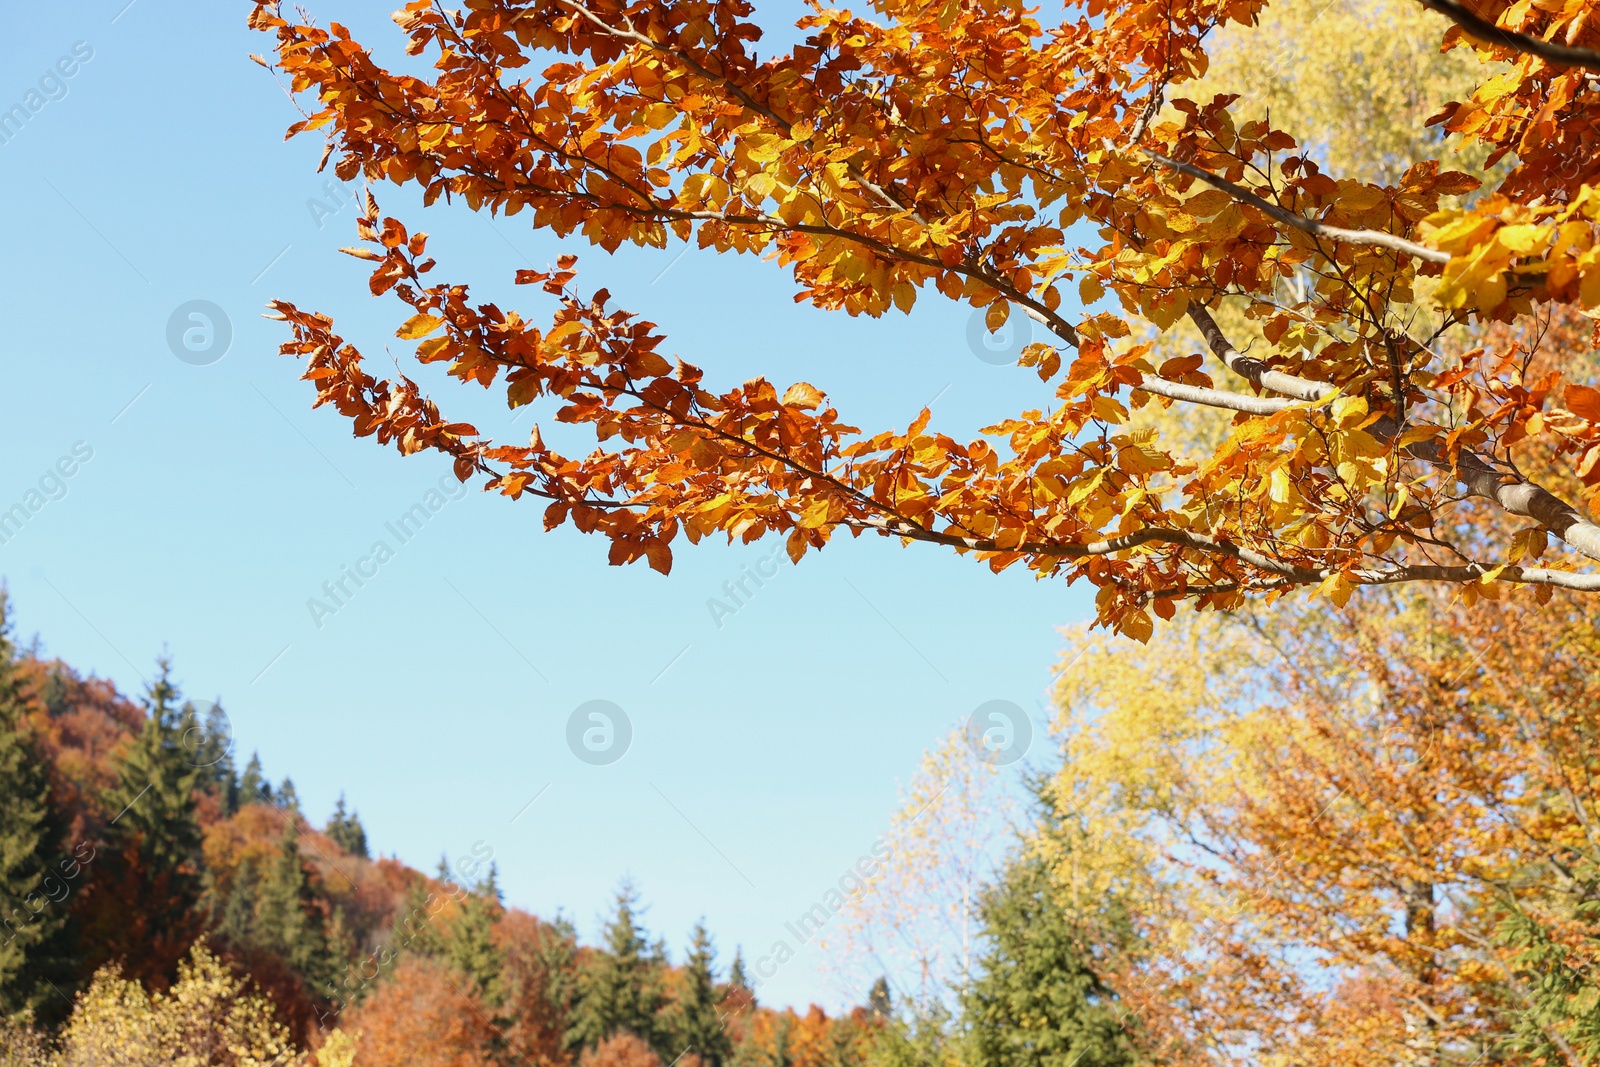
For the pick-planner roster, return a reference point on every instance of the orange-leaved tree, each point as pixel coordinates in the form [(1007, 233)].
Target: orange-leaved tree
[(967, 148)]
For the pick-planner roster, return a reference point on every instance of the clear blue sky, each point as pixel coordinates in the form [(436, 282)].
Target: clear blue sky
[(766, 753)]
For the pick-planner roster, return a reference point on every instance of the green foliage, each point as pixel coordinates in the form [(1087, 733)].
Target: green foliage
[(346, 831), (1039, 999), (288, 915), (470, 947), (253, 785), (694, 1020), (31, 922), (155, 798), (1561, 1000), (924, 1039), (879, 1002), (619, 989), (737, 978)]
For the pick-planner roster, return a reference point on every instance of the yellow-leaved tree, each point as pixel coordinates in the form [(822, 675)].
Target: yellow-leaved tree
[(210, 1017)]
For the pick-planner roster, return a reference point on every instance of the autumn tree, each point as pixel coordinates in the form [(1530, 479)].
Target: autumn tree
[(541, 977), (908, 911), (1347, 833), (1072, 171), (209, 1016), (420, 1016)]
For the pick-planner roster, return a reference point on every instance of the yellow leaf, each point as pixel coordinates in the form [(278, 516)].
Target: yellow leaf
[(1349, 410), (418, 326), (803, 395)]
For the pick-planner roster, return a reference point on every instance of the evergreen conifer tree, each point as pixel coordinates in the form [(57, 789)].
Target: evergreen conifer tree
[(879, 1002), (253, 787), (1038, 999), (155, 796), (414, 929), (620, 989), (31, 922), (470, 948), (696, 1024), (737, 978), (288, 918), (346, 831)]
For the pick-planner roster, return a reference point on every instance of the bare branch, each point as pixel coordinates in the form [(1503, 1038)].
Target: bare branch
[(1215, 398)]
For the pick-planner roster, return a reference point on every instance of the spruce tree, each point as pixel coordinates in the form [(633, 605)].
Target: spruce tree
[(737, 978), (253, 787), (288, 919), (236, 924), (287, 798), (414, 929), (696, 1024), (879, 1002), (1039, 999), (470, 948), (140, 907), (31, 922), (155, 796), (346, 831), (619, 989), (209, 743)]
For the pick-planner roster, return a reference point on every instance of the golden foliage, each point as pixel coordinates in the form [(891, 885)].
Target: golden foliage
[(952, 147), (1324, 823)]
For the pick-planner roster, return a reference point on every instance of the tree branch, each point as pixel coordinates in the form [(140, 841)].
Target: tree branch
[(1214, 398), (1477, 26), (1300, 222), (1510, 491)]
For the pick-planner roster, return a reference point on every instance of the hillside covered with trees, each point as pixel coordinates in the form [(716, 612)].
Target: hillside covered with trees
[(160, 901)]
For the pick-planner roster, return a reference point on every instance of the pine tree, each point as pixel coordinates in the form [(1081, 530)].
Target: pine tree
[(879, 1002), (619, 989), (31, 922), (346, 831), (287, 798), (288, 919), (1039, 999), (253, 787), (155, 799), (209, 744), (737, 978), (471, 949), (414, 930), (696, 1024), (141, 905)]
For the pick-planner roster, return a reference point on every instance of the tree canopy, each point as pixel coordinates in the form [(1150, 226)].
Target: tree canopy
[(1055, 169)]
